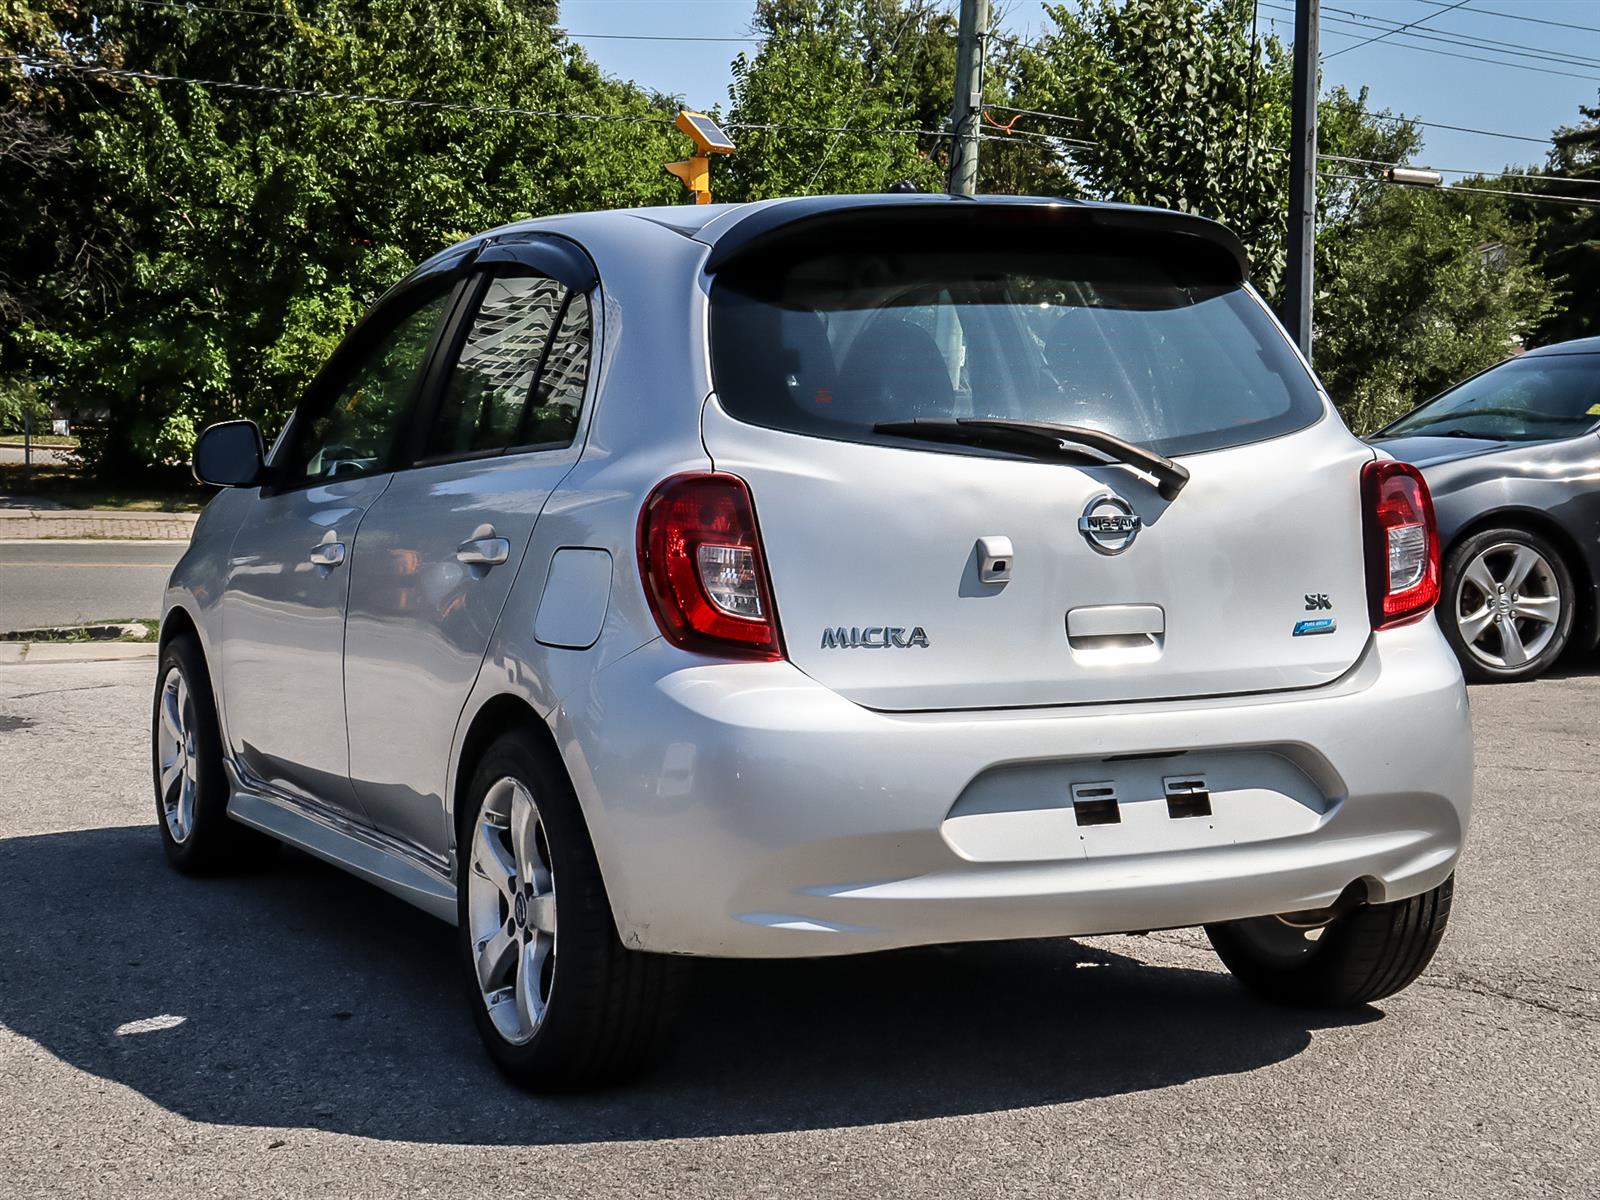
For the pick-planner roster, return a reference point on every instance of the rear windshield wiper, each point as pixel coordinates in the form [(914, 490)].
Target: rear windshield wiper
[(1056, 441)]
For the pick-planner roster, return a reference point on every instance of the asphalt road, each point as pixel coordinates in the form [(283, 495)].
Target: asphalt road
[(297, 1033), (45, 582)]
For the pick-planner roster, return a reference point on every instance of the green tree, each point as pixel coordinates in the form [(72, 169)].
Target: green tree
[(1568, 244), (861, 91), (1176, 106), (1173, 104), (832, 76), (253, 228), (1418, 289)]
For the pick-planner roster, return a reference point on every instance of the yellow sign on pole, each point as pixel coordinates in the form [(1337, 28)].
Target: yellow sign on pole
[(709, 139)]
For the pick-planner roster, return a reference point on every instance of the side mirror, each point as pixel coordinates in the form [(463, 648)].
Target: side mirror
[(230, 454)]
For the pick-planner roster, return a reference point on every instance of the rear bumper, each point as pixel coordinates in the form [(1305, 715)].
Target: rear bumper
[(744, 810)]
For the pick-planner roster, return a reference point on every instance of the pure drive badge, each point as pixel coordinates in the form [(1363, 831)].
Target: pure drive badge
[(873, 637)]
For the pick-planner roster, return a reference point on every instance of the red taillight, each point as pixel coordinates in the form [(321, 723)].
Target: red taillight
[(1402, 543), (703, 570)]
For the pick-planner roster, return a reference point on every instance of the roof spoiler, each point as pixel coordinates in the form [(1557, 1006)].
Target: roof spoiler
[(818, 215)]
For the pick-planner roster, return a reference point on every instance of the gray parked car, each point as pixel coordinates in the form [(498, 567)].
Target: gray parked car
[(1512, 458)]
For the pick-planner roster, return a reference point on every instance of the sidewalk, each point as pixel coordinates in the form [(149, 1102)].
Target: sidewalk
[(31, 523), (73, 652)]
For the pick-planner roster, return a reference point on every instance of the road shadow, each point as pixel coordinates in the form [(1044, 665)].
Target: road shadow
[(1575, 664), (309, 999)]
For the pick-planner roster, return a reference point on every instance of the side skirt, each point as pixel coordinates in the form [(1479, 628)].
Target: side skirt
[(362, 852)]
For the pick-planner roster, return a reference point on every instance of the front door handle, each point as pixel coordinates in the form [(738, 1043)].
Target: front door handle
[(484, 549), (327, 554)]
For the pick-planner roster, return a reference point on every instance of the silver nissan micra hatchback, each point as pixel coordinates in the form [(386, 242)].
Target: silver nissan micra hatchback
[(814, 577)]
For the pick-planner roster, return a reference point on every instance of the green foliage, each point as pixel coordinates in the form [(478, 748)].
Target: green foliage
[(1568, 244), (247, 232), (845, 66), (1175, 107), (1418, 291), (171, 254), (1414, 290), (20, 405)]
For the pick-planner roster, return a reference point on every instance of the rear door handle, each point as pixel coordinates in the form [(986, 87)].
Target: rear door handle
[(488, 551), (327, 554)]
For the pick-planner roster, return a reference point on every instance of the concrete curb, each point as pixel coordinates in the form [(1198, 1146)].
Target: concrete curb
[(29, 524), (29, 653)]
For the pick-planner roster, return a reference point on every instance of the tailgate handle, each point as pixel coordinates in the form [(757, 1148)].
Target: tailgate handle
[(1116, 621)]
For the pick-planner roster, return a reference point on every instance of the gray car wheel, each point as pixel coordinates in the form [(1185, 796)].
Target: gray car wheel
[(1507, 605), (559, 1004), (191, 786)]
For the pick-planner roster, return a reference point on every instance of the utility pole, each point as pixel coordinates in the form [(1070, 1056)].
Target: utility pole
[(967, 115), (1302, 177)]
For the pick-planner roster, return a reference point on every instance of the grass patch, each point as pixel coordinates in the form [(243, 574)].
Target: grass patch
[(54, 441), (139, 630), (62, 485)]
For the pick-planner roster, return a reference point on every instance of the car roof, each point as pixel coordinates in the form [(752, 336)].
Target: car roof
[(1588, 345)]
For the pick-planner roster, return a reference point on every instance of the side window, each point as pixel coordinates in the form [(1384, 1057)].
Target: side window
[(559, 398), (357, 432), (520, 376), (487, 392)]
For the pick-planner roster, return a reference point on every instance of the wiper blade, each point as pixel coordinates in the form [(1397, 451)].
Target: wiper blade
[(1032, 437)]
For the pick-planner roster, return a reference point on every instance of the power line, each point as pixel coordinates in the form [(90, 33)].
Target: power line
[(783, 127), (444, 105), (180, 6), (1018, 44), (1569, 201), (315, 94), (1457, 4), (1459, 38), (1373, 162), (1536, 56), (1029, 112), (1491, 12)]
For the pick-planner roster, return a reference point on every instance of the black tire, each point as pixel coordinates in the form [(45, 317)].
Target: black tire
[(1461, 555), (209, 842), (1365, 954), (605, 1007)]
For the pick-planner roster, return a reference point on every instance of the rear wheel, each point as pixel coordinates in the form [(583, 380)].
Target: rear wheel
[(190, 784), (1336, 960), (1508, 605), (559, 1002)]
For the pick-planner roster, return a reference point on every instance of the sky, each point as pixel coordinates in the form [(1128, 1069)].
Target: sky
[(1530, 98)]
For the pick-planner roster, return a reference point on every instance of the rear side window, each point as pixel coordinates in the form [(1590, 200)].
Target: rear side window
[(519, 377), (1159, 346)]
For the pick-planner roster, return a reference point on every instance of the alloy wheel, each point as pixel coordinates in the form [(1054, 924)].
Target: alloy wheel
[(1507, 605), (511, 910), (177, 754)]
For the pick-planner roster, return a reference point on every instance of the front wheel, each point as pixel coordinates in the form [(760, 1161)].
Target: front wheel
[(1508, 605), (1340, 960), (190, 783), (559, 1001)]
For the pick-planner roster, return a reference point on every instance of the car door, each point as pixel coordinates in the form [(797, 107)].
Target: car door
[(437, 553), (288, 577)]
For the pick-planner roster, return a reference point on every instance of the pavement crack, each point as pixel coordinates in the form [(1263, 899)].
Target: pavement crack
[(88, 687), (1459, 981)]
